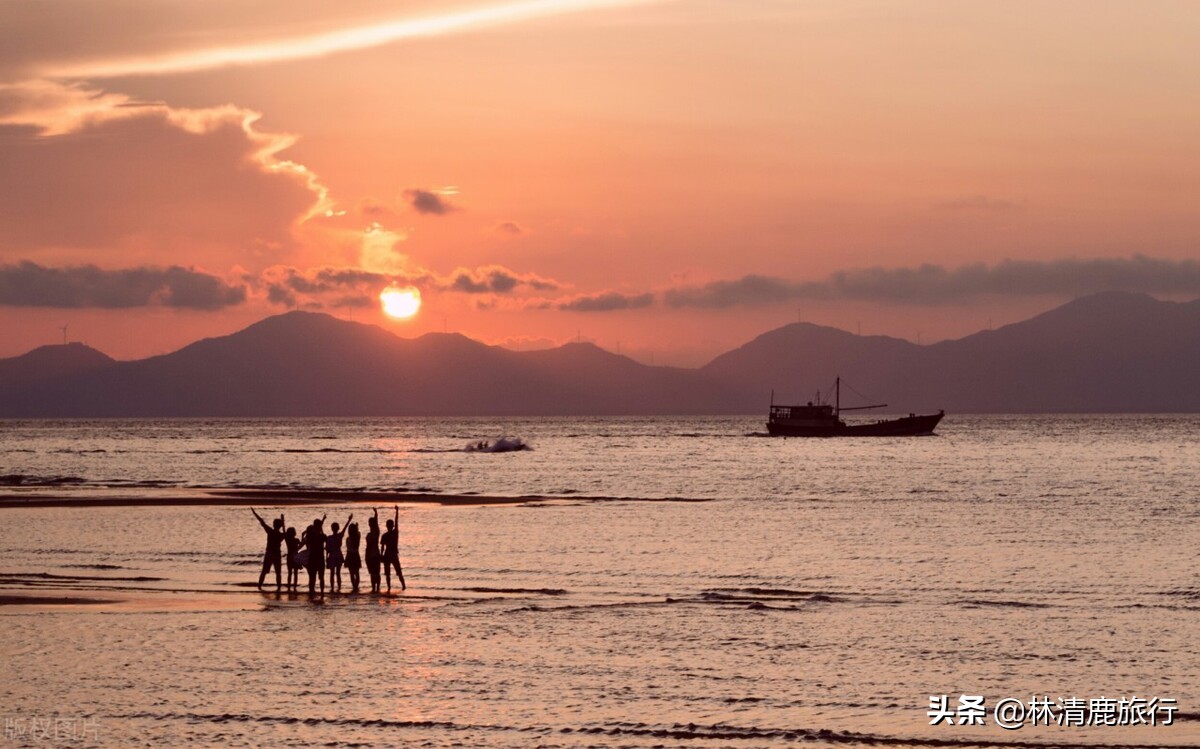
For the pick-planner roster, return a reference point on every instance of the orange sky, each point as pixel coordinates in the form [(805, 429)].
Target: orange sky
[(923, 167)]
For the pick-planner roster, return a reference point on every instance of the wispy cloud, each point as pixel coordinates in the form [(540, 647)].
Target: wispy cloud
[(330, 42), (935, 284), (136, 174)]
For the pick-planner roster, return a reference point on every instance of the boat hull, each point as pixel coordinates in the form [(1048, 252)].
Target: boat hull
[(906, 426)]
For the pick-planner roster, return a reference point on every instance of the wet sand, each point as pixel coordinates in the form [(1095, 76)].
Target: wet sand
[(7, 600), (295, 497)]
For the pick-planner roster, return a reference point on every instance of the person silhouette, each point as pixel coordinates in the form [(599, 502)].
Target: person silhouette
[(390, 548), (314, 539), (373, 549), (292, 542), (272, 556), (353, 560), (335, 560)]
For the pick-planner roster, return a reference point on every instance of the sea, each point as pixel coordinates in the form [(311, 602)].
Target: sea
[(653, 582)]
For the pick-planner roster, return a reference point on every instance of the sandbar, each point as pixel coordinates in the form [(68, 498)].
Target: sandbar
[(296, 497), (7, 600)]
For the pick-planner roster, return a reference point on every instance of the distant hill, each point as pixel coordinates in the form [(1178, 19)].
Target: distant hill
[(309, 364), (48, 363), (1111, 352)]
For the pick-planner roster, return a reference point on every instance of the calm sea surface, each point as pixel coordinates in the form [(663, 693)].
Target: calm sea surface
[(824, 592)]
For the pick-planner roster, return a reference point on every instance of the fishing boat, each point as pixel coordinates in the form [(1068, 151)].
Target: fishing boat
[(825, 420)]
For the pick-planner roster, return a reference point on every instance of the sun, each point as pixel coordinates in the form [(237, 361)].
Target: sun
[(401, 303)]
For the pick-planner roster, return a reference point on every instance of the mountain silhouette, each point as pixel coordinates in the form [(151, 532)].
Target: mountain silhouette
[(310, 364), (1110, 352), (48, 363)]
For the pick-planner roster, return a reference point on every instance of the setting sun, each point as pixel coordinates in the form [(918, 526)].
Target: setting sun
[(400, 303)]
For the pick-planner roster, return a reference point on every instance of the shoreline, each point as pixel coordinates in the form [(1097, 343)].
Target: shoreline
[(17, 600), (300, 498)]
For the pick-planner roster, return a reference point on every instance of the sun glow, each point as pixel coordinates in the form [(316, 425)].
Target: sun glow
[(401, 303)]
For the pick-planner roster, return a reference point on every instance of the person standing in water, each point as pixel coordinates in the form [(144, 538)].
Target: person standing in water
[(314, 540), (373, 549), (272, 557), (335, 560), (390, 546), (353, 560), (292, 542)]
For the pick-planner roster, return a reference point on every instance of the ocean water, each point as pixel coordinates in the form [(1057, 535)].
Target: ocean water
[(820, 593)]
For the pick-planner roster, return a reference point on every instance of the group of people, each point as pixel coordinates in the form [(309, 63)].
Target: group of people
[(316, 551)]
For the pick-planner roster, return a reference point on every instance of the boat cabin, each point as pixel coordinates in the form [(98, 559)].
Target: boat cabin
[(802, 416)]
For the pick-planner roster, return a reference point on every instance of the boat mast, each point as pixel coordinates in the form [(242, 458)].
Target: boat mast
[(837, 408)]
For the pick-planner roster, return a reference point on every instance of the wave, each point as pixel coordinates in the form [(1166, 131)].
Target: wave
[(501, 445), (1189, 593), (336, 450), (536, 591), (37, 481), (146, 483), (766, 595), (378, 450), (24, 479), (978, 603), (717, 732), (32, 577), (95, 566), (293, 720)]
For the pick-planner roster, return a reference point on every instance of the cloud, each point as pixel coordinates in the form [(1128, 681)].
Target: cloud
[(606, 302), (95, 171), (151, 55), (935, 284), (511, 228), (352, 286), (496, 279), (745, 291), (428, 202), (322, 286), (375, 210), (27, 284), (356, 301)]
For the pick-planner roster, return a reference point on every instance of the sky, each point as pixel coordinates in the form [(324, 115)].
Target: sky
[(665, 178)]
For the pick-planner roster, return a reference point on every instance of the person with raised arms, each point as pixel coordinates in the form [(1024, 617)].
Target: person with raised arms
[(335, 560), (390, 548), (272, 557), (372, 550)]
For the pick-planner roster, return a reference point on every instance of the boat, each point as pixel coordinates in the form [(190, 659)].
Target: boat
[(825, 420)]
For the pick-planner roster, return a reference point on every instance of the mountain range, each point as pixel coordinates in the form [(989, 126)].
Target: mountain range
[(1109, 352)]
